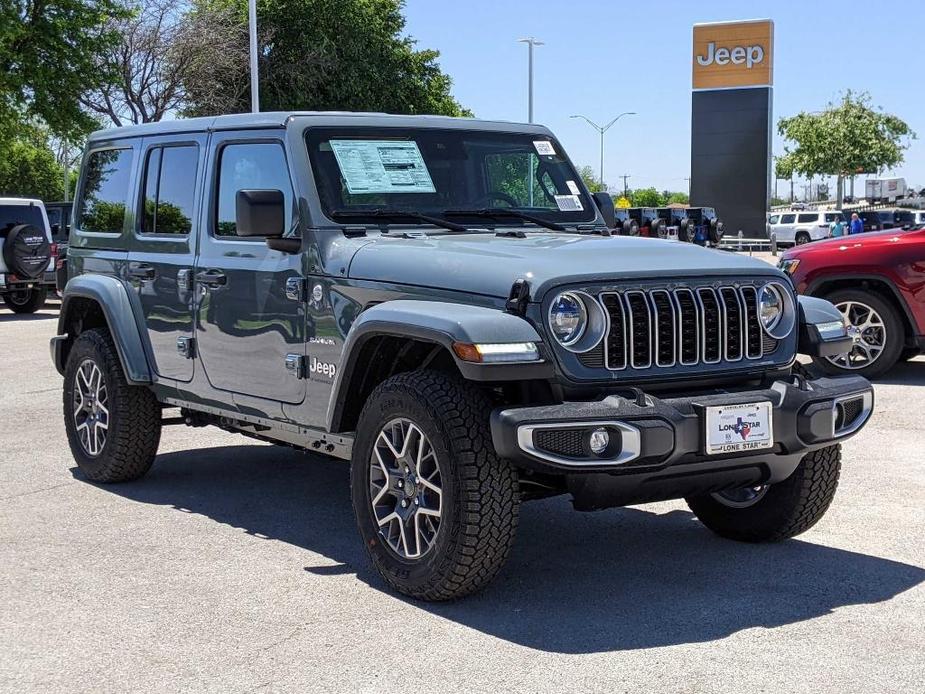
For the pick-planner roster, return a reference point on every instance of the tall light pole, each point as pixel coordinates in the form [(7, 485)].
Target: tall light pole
[(531, 42), (255, 76), (603, 129)]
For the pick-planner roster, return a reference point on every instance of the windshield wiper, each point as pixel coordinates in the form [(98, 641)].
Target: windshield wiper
[(502, 212), (391, 213)]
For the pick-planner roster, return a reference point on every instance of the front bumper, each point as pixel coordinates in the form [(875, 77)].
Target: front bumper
[(660, 450)]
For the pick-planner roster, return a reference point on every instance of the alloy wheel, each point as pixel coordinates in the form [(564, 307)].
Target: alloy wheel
[(867, 332), (91, 409), (405, 489), (742, 498)]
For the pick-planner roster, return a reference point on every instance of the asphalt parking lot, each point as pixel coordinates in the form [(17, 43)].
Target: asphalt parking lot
[(236, 567)]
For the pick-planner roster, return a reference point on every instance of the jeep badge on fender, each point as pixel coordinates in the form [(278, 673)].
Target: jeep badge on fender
[(469, 342)]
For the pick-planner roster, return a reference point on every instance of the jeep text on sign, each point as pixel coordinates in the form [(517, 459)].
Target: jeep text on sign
[(733, 54)]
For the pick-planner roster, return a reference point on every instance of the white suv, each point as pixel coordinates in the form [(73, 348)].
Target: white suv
[(25, 254), (801, 227)]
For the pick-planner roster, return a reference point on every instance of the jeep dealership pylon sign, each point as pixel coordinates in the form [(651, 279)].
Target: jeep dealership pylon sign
[(732, 78)]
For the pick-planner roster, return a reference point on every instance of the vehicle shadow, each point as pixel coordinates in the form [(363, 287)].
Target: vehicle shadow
[(905, 373), (575, 583), (7, 316)]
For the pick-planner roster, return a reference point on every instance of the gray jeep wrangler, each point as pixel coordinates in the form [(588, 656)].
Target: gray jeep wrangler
[(442, 303)]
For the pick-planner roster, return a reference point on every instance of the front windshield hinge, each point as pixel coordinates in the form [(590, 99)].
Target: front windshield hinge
[(519, 297)]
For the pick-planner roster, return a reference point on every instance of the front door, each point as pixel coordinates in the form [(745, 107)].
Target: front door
[(246, 324), (162, 251)]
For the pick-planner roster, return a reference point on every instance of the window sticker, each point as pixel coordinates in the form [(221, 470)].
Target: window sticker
[(544, 147), (382, 166), (569, 203), (573, 187)]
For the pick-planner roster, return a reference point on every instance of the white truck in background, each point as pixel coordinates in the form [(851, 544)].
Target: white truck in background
[(884, 189)]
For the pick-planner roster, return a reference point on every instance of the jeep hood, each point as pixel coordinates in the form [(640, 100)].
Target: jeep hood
[(483, 263)]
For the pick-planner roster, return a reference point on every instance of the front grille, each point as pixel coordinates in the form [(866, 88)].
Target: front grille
[(685, 326)]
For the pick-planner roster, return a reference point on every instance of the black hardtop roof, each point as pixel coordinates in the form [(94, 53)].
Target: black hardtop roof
[(280, 119)]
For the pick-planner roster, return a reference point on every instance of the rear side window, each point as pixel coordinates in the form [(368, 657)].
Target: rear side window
[(106, 184), (807, 218), (169, 190), (788, 219), (249, 166), (14, 215)]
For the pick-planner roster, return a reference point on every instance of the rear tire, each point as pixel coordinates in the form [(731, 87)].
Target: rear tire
[(113, 428), (479, 494), (802, 238), (780, 511), (26, 300)]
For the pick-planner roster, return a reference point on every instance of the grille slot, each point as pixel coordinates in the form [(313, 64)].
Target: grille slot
[(565, 442), (684, 326)]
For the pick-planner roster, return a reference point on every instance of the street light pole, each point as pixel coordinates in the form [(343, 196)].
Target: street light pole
[(603, 129), (255, 76), (531, 42)]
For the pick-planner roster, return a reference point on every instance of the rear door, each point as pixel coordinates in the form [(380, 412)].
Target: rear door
[(247, 326), (162, 251), (787, 227)]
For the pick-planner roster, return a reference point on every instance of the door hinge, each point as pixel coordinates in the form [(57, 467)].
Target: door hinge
[(186, 346), (297, 289), (295, 365), (518, 298)]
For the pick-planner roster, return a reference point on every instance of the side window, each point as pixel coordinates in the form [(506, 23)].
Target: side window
[(169, 190), (774, 219), (788, 219), (252, 165), (106, 184), (808, 218)]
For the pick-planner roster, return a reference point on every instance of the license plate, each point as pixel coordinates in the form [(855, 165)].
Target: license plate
[(735, 428)]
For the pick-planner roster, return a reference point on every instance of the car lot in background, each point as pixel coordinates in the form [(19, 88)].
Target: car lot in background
[(798, 227), (877, 281)]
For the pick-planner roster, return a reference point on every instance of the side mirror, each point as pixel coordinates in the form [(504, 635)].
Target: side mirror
[(260, 213), (605, 204)]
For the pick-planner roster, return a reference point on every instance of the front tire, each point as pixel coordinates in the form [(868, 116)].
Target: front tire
[(113, 428), (424, 467), (27, 300), (771, 513), (878, 331)]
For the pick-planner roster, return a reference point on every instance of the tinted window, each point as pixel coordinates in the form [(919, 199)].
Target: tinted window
[(788, 219), (170, 188), (257, 166), (105, 189), (807, 218), (774, 219), (14, 215)]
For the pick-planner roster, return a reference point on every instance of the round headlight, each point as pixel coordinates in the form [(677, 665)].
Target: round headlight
[(568, 317), (770, 307)]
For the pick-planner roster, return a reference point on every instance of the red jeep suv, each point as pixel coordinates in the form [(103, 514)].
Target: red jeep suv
[(877, 281)]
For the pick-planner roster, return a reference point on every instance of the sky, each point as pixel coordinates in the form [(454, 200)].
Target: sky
[(604, 57)]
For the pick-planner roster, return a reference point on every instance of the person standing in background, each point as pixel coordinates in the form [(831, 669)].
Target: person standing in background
[(837, 228), (857, 226)]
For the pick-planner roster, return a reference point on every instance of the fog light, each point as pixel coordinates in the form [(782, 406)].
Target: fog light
[(599, 441)]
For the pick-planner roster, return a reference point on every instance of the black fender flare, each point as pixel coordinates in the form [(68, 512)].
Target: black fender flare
[(112, 297), (441, 323)]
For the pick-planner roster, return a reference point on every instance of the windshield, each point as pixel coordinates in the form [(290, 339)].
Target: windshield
[(434, 172)]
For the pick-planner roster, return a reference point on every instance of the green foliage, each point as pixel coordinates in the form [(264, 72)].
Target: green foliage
[(784, 167), (591, 179), (102, 215), (646, 197), (28, 167), (677, 198), (48, 53), (848, 137), (330, 55)]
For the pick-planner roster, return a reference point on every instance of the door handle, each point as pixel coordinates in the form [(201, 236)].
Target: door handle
[(211, 278), (141, 271)]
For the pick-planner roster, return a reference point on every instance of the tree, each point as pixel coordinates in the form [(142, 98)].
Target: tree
[(847, 138), (646, 197), (324, 55), (28, 167), (160, 49), (783, 169), (591, 180), (48, 57), (677, 198)]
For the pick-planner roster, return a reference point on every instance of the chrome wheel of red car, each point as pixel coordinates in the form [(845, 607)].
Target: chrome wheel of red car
[(868, 332)]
